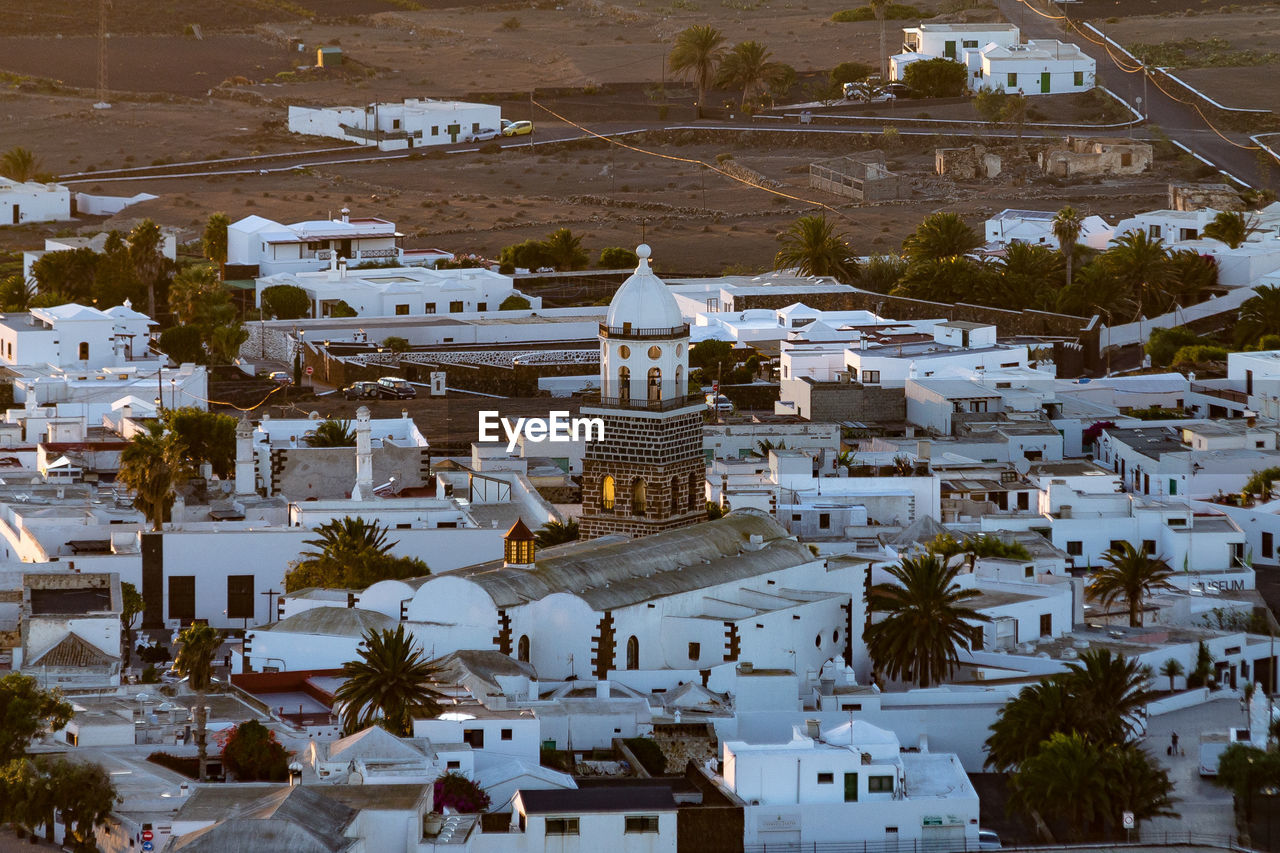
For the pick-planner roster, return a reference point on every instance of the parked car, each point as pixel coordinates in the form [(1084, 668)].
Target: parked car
[(280, 377), (482, 135), (988, 840), (868, 93), (719, 403), (901, 90), (395, 388), (516, 128), (360, 390)]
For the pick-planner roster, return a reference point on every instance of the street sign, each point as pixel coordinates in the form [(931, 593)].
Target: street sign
[(147, 846), (310, 370), (147, 835), (715, 388), (1127, 820), (438, 383)]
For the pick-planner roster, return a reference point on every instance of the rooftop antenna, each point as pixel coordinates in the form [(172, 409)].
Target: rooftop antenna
[(103, 6)]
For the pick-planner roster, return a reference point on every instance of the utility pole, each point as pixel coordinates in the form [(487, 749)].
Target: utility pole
[(103, 6)]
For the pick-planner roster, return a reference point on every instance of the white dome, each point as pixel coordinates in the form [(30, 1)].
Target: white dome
[(643, 300)]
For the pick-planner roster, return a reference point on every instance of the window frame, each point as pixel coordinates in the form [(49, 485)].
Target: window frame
[(561, 826)]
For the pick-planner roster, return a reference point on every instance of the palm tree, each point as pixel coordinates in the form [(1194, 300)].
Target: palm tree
[(1231, 227), (564, 250), (131, 607), (1171, 669), (556, 533), (1067, 225), (19, 164), (215, 241), (199, 643), (947, 547), (1031, 276), (225, 342), (879, 8), (1112, 691), (1138, 785), (144, 249), (1132, 575), (812, 246), (1065, 781), (939, 236), (347, 536), (193, 291), (696, 53), (748, 66), (1190, 276), (332, 433), (926, 622), (1140, 262), (1260, 314), (389, 684), (152, 465), (1028, 720)]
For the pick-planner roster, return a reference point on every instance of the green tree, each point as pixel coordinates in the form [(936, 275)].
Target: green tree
[(26, 711), (131, 607), (990, 103), (395, 343), (1163, 344), (1140, 263), (332, 433), (115, 279), (151, 465), (848, 72), (183, 344), (286, 302), (1261, 482), (812, 246), (252, 754), (225, 341), (27, 797), (515, 302), (1198, 356), (389, 685), (1067, 225), (714, 359), (350, 554), (940, 236), (556, 533), (1231, 227), (144, 248), (695, 55), (954, 279), (748, 66), (1190, 277), (1171, 669), (1025, 722), (1030, 276), (197, 646), (937, 78), (617, 258), (215, 241), (206, 437), (530, 255), (564, 250), (85, 797), (1259, 314), (881, 273), (72, 273), (15, 294), (925, 622), (1132, 575), (198, 297), (1202, 670), (19, 164), (1245, 770)]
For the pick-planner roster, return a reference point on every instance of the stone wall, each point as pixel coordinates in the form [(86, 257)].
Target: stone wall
[(1199, 196), (832, 402), (330, 472), (1082, 157), (966, 164), (519, 380), (861, 177)]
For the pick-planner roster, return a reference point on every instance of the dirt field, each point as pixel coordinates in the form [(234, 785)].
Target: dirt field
[(1124, 8)]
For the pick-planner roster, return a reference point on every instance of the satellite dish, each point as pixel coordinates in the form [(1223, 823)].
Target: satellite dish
[(1022, 466)]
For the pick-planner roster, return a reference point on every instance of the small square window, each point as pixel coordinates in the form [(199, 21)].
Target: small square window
[(402, 310), (506, 734), (1075, 549), (1078, 79), (826, 778), (641, 824), (1028, 571), (454, 765), (562, 826), (695, 650), (880, 784), (1013, 80)]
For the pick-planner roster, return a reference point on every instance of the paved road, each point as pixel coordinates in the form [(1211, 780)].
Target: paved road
[(1179, 121)]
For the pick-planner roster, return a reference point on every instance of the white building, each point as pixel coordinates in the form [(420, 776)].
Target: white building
[(400, 292), (415, 123), (1039, 67), (263, 247), (957, 346), (949, 41), (850, 784), (21, 203), (1036, 228), (77, 337), (630, 819)]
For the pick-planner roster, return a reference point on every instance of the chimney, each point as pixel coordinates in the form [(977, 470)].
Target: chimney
[(812, 728), (333, 265), (924, 448), (363, 490), (246, 476), (602, 689), (342, 268), (346, 214)]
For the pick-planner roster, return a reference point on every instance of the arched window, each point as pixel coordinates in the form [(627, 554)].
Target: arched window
[(680, 389), (633, 653), (638, 496), (655, 384), (696, 498), (606, 493), (522, 649), (675, 496), (84, 351), (624, 383)]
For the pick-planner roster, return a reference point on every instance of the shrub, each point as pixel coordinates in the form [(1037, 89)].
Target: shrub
[(618, 258), (514, 302), (512, 23), (342, 309), (1195, 356), (286, 302), (849, 72), (937, 78), (253, 754), (150, 675), (395, 343), (183, 344), (894, 12), (1164, 344), (460, 794)]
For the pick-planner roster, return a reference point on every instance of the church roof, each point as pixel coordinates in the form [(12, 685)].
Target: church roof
[(73, 651), (609, 575), (333, 621), (644, 301), (519, 533)]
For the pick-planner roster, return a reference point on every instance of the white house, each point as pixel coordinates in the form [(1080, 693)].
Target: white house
[(631, 819), (262, 247), (1039, 67), (21, 203), (415, 123), (1036, 227), (948, 41), (408, 291), (850, 784), (957, 346), (76, 337)]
